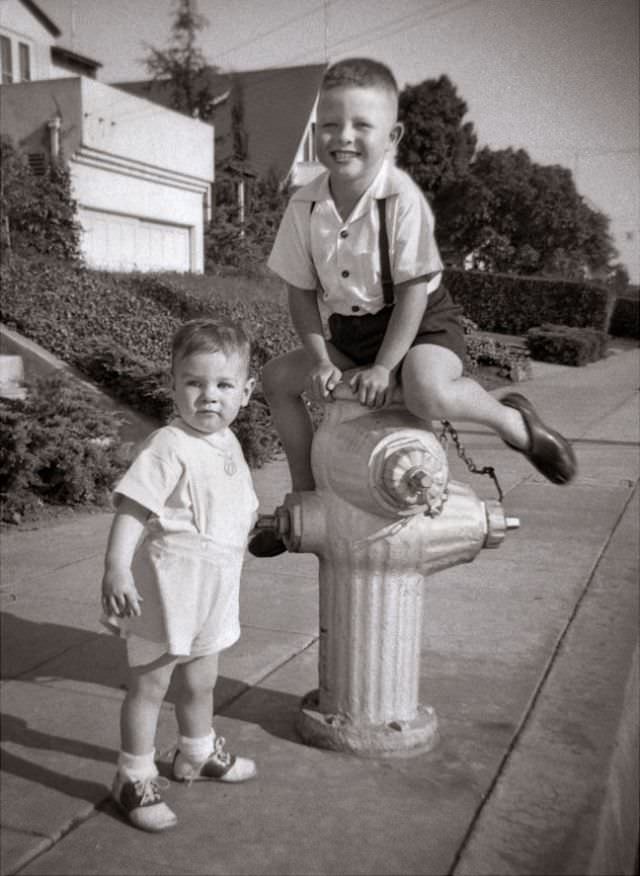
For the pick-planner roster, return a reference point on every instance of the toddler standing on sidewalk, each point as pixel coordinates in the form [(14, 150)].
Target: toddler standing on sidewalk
[(357, 251), (184, 510)]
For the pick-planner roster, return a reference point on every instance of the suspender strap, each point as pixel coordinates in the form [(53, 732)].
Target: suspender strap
[(383, 248)]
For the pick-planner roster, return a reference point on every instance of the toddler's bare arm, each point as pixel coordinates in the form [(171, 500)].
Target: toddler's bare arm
[(119, 594)]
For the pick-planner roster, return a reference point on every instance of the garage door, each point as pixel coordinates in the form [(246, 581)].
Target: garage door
[(125, 243)]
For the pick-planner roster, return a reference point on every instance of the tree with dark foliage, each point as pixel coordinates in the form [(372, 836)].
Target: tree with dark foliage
[(182, 64)]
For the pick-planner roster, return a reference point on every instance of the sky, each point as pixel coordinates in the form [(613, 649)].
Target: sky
[(560, 78)]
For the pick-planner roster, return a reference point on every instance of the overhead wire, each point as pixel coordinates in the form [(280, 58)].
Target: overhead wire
[(326, 4), (406, 24)]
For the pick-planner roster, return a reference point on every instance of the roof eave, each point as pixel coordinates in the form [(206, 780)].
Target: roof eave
[(44, 19)]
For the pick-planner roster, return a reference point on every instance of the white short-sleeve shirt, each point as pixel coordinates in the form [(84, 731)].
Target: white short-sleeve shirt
[(341, 259), (202, 506)]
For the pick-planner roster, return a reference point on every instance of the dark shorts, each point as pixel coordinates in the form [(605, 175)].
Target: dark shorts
[(360, 337)]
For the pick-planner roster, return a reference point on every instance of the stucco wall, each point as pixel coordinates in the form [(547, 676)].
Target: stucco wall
[(121, 124)]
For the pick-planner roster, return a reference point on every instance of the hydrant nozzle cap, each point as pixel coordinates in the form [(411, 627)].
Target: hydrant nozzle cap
[(413, 478), (497, 523)]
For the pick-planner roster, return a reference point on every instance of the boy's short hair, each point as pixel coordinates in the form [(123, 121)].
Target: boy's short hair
[(361, 72), (210, 336)]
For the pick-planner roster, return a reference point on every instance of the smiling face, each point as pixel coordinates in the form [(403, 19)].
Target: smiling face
[(209, 388), (356, 129)]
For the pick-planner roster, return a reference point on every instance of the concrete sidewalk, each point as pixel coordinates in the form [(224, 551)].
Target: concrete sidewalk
[(528, 658)]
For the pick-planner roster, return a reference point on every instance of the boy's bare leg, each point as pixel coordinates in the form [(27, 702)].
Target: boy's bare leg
[(283, 380), (434, 389)]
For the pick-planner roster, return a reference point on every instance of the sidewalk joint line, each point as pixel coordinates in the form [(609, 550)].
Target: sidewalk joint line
[(537, 693), (51, 841)]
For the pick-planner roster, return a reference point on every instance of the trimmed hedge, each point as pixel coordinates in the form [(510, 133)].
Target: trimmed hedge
[(625, 322), (513, 304), (566, 345)]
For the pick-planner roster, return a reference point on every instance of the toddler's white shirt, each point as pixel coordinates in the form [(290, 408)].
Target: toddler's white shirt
[(199, 491), (341, 259)]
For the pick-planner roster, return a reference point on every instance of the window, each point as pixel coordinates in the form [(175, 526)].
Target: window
[(7, 66), (25, 62)]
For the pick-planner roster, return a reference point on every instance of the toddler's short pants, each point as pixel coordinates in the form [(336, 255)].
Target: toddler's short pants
[(141, 652), (360, 337)]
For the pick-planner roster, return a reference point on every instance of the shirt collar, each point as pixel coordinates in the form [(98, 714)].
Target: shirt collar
[(385, 184)]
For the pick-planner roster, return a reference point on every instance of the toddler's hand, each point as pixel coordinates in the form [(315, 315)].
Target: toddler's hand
[(322, 380), (374, 386), (119, 594)]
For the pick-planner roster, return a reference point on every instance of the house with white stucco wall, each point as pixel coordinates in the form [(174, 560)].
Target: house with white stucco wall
[(141, 173)]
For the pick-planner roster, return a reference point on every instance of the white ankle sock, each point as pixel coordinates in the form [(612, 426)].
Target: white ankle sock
[(196, 749), (137, 767)]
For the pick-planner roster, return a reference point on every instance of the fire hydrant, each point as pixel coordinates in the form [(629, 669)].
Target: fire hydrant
[(383, 516)]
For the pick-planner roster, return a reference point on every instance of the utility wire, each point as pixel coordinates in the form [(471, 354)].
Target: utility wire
[(415, 16), (254, 39)]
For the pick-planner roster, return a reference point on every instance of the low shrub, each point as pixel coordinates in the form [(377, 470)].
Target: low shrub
[(56, 447), (566, 345), (625, 321), (511, 362), (513, 304)]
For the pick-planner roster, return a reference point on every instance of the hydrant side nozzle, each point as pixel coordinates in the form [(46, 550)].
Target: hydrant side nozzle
[(497, 523), (277, 522), (305, 522)]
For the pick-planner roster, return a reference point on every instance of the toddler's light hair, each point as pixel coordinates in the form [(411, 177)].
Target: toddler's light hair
[(210, 336), (361, 72)]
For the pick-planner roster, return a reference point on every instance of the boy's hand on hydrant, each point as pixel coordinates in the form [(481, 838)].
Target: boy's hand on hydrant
[(374, 386), (119, 594), (322, 380)]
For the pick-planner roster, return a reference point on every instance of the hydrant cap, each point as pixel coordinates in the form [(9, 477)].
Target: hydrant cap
[(409, 474)]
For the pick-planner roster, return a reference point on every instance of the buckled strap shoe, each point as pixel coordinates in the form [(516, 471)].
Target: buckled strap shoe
[(548, 450)]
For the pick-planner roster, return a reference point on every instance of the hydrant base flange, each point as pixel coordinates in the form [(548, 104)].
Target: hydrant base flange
[(338, 733)]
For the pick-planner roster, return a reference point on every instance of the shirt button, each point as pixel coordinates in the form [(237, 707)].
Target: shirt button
[(344, 233), (355, 308), (345, 273)]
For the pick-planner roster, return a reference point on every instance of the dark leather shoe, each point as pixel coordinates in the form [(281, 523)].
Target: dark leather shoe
[(548, 450), (265, 543)]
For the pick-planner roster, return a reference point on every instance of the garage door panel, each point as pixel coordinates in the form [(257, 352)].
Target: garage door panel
[(126, 243)]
